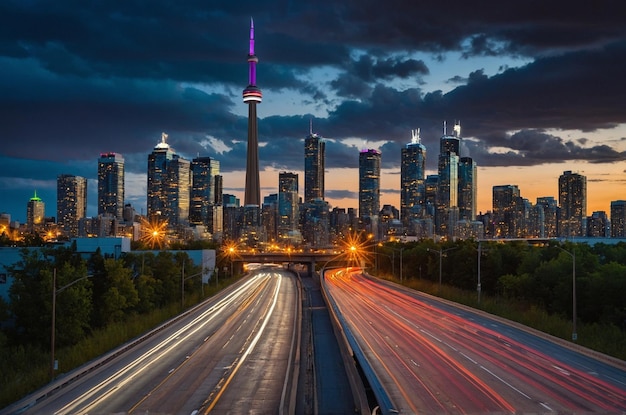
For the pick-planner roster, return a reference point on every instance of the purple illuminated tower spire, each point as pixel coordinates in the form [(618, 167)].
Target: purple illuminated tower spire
[(252, 95)]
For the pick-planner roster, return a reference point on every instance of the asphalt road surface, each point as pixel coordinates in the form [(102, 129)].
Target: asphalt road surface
[(434, 358), (233, 354)]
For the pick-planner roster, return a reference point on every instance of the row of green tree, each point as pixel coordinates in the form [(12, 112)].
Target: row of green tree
[(540, 275), (90, 293)]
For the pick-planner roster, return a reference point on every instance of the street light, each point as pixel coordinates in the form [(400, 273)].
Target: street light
[(440, 252), (573, 255), (478, 286), (393, 261), (55, 291), (401, 249), (182, 283), (231, 251)]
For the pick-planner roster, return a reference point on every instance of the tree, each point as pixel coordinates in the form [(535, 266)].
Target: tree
[(121, 295), (604, 301), (31, 297), (73, 305)]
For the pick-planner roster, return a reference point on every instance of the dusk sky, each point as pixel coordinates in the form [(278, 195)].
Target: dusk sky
[(538, 86)]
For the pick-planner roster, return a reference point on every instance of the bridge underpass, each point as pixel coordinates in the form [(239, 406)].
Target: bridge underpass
[(308, 259)]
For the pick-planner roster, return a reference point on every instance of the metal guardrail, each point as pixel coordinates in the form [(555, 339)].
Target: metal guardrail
[(384, 401)]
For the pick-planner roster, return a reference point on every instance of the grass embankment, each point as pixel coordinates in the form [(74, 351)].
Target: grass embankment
[(26, 369), (603, 338)]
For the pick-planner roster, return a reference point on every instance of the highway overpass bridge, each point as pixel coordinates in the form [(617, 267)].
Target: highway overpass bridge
[(308, 259)]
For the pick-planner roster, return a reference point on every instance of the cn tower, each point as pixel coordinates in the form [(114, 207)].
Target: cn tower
[(252, 95)]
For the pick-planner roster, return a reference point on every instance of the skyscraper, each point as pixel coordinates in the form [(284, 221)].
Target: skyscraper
[(71, 202), (204, 172), (35, 212), (314, 147), (251, 96), (430, 194), (315, 223), (287, 224), (447, 189), (111, 185), (573, 202), (506, 199), (169, 182), (618, 218), (412, 185), (550, 215), (369, 190), (467, 189), (598, 225)]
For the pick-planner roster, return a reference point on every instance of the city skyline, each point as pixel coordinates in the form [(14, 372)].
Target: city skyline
[(535, 98)]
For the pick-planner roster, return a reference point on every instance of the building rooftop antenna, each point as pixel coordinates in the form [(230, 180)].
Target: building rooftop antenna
[(415, 136)]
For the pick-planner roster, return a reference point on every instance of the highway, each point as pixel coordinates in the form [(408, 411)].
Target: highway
[(432, 357), (236, 351)]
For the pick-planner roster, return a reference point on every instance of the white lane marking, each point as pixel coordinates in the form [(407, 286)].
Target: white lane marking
[(469, 358), (155, 353), (504, 381), (560, 369), (431, 335)]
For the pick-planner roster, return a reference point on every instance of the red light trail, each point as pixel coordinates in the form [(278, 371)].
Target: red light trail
[(435, 361)]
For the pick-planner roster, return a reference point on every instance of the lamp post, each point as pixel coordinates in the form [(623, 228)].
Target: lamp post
[(478, 287), (231, 252), (393, 267), (56, 291), (573, 255), (182, 283), (440, 252)]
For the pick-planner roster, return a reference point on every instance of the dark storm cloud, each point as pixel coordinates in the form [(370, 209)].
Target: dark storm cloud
[(578, 90), (342, 194), (359, 75), (370, 69), (531, 147)]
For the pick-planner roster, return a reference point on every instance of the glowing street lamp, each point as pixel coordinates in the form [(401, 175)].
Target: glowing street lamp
[(154, 232), (231, 252)]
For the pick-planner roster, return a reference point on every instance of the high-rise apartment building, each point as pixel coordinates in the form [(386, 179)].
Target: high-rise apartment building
[(412, 184), (111, 185), (169, 182), (618, 219), (35, 212), (314, 148), (467, 189), (204, 171), (369, 190), (573, 203), (550, 213), (598, 225), (315, 223), (288, 216), (71, 202), (269, 215), (506, 199)]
